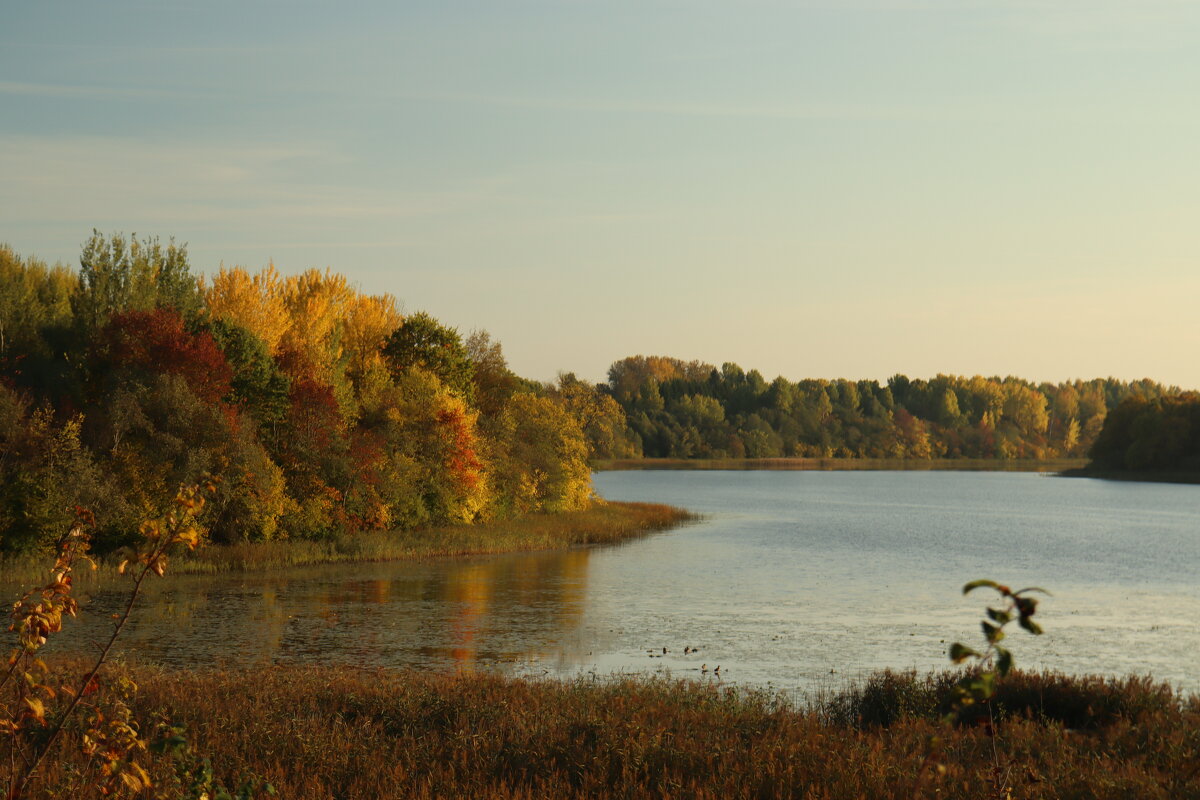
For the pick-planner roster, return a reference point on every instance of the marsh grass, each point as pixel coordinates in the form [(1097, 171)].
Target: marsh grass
[(603, 523), (317, 732)]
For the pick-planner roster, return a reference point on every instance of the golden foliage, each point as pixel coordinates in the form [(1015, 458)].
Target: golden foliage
[(316, 303), (369, 320), (254, 302)]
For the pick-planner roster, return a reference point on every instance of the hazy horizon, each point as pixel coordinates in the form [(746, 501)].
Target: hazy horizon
[(808, 189)]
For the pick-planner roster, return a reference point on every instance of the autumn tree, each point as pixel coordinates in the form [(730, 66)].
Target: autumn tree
[(136, 344), (254, 302), (600, 417), (158, 433), (431, 460), (542, 457), (369, 321), (317, 303)]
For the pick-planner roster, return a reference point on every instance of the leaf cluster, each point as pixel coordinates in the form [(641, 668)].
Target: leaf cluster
[(995, 661)]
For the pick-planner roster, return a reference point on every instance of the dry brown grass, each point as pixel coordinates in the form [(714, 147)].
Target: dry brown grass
[(319, 733)]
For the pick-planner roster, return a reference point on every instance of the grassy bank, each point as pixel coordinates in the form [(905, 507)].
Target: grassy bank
[(603, 523), (318, 733), (965, 464)]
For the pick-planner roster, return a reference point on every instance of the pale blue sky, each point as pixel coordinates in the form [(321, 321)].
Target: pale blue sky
[(815, 189)]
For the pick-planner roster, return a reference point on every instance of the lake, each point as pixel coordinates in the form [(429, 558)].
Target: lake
[(794, 580)]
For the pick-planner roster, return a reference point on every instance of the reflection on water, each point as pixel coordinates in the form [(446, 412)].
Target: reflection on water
[(793, 579), (445, 613)]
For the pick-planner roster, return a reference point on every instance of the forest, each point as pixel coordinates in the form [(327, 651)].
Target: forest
[(315, 410), (678, 409)]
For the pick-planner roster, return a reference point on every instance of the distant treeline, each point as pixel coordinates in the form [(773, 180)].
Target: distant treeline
[(319, 410), (678, 409)]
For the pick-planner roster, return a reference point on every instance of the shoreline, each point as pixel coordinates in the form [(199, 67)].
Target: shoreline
[(848, 464), (1149, 476), (606, 522)]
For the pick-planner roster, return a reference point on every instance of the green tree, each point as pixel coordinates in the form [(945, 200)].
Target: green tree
[(45, 472), (422, 342), (258, 384), (494, 381), (118, 274), (33, 297)]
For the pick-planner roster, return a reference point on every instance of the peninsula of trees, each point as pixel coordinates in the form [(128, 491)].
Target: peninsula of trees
[(317, 410)]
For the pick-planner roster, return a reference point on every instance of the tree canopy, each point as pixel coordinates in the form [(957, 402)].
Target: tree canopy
[(319, 410)]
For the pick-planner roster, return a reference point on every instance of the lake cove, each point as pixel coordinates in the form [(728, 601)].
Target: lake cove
[(793, 580)]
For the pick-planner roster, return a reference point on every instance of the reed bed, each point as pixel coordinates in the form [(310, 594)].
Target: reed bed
[(603, 523), (318, 733)]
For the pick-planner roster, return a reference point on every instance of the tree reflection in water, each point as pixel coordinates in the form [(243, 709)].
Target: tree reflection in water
[(461, 613)]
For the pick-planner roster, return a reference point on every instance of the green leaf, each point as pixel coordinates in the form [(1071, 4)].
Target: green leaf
[(1004, 661), (1002, 617), (960, 652), (973, 585), (1031, 626), (992, 632)]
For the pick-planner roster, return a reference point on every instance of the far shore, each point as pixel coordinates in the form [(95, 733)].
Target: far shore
[(883, 464), (1142, 476)]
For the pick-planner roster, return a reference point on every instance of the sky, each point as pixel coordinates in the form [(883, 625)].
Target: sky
[(852, 188)]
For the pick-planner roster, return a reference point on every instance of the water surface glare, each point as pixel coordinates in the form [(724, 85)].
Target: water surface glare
[(794, 580)]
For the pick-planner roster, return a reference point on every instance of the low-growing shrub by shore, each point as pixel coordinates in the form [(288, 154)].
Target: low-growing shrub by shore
[(603, 523), (317, 733)]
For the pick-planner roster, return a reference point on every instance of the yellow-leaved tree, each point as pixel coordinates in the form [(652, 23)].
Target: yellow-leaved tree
[(542, 457), (316, 304), (255, 302), (368, 322)]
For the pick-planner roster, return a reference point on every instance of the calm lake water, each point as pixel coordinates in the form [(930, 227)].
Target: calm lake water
[(795, 580)]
